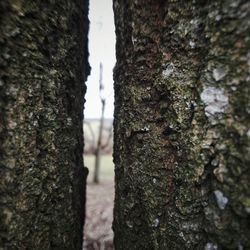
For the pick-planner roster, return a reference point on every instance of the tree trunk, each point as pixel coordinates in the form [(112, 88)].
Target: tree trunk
[(181, 125), (99, 146), (43, 66), (101, 127)]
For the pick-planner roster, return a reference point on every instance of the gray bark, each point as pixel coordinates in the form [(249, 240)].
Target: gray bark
[(181, 127), (43, 66)]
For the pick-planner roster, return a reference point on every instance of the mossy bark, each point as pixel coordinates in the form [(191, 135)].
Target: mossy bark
[(43, 66), (182, 114)]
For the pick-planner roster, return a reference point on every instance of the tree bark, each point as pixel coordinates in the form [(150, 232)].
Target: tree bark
[(181, 127), (43, 66)]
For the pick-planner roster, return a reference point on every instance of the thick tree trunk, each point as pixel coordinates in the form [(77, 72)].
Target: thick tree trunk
[(43, 66), (182, 125)]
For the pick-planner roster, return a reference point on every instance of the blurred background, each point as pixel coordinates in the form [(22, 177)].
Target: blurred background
[(98, 128)]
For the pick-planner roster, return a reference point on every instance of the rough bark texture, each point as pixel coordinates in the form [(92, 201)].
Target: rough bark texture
[(181, 126), (43, 66)]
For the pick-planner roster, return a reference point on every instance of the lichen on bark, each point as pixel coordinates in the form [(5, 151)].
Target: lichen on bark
[(43, 66), (181, 126)]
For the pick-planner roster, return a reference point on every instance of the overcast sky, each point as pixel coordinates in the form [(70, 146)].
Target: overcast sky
[(101, 49)]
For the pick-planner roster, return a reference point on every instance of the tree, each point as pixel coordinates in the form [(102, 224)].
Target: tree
[(181, 127), (101, 127), (43, 66), (104, 135)]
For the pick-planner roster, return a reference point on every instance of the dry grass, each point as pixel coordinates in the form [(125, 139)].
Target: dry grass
[(106, 169)]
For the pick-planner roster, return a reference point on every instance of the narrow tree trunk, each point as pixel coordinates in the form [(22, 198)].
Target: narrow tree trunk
[(99, 141), (43, 66), (181, 125), (99, 147)]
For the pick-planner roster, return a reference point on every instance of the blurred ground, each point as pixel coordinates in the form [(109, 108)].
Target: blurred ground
[(98, 234)]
